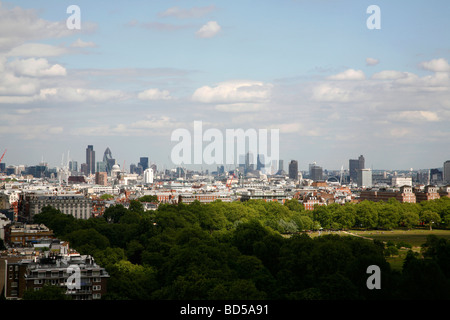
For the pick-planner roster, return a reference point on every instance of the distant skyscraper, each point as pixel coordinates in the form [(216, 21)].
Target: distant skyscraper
[(101, 178), (293, 170), (260, 162), (101, 166), (364, 178), (90, 159), (144, 163), (280, 165), (73, 166), (446, 172), (249, 161), (316, 173), (108, 160), (354, 165), (148, 175), (84, 169)]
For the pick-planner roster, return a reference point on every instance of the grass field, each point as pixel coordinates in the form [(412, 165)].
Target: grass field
[(415, 237)]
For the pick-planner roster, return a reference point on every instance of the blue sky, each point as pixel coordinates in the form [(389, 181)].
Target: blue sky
[(138, 70)]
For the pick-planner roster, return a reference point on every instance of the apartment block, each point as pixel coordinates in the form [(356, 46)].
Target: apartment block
[(76, 205), (405, 194), (79, 276)]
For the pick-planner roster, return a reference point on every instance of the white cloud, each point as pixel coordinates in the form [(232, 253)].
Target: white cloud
[(209, 30), (80, 94), (372, 61), (349, 74), (36, 68), (436, 65), (240, 107), (18, 25), (82, 44), (154, 94), (413, 116), (37, 50), (195, 12), (335, 93), (389, 75), (236, 91)]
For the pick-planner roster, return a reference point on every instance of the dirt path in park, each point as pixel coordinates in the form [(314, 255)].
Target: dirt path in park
[(356, 235)]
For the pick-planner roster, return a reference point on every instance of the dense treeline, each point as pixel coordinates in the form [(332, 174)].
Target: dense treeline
[(238, 250)]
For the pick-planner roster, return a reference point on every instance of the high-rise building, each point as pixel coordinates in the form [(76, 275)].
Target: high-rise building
[(84, 169), (364, 178), (354, 165), (280, 165), (90, 159), (144, 163), (315, 173), (101, 178), (108, 160), (73, 166), (101, 166), (293, 170), (446, 172), (148, 175), (261, 163), (249, 161)]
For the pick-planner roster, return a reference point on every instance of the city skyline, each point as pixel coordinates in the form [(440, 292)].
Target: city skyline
[(134, 73)]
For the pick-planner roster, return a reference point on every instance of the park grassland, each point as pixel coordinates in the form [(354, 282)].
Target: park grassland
[(415, 237)]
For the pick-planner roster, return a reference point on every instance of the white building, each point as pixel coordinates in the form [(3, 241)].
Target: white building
[(364, 177), (148, 176), (401, 181)]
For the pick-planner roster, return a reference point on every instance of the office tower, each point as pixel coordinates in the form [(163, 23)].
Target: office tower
[(133, 168), (280, 165), (108, 160), (2, 167), (101, 166), (364, 178), (293, 170), (316, 173), (90, 159), (354, 165), (73, 166), (261, 163), (436, 175), (144, 163), (101, 178), (148, 175), (446, 172), (84, 169), (249, 161)]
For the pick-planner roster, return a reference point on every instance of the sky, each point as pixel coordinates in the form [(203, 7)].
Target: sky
[(136, 71)]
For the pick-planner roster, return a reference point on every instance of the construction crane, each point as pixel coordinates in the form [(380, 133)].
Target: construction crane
[(2, 156)]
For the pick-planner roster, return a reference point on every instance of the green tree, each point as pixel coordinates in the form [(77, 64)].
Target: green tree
[(106, 196), (48, 292), (429, 218), (149, 198), (114, 213)]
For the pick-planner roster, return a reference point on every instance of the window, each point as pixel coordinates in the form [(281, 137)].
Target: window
[(96, 296), (97, 288), (38, 281)]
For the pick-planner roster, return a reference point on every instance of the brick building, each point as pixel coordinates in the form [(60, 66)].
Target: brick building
[(79, 275), (405, 194), (24, 235), (429, 193)]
